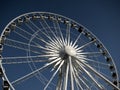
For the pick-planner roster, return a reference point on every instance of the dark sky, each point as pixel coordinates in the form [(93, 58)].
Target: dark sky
[(102, 17)]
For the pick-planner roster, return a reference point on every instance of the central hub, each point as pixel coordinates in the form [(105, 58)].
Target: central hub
[(70, 51)]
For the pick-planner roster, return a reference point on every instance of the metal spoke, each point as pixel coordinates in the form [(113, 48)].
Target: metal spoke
[(98, 74), (79, 79), (85, 45), (89, 53), (57, 26), (92, 78), (45, 26), (48, 36), (76, 77), (68, 33), (66, 76), (94, 61), (59, 83), (23, 46), (84, 78), (24, 34), (24, 59), (71, 73), (54, 75), (30, 75), (27, 25), (76, 40)]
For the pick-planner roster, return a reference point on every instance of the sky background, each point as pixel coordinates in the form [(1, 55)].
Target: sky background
[(102, 17)]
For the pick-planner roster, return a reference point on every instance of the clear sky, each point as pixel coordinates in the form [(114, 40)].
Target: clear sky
[(102, 17)]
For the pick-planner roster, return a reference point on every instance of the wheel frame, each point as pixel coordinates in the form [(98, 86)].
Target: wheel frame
[(61, 19)]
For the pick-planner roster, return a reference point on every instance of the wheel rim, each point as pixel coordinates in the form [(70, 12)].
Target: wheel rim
[(56, 53)]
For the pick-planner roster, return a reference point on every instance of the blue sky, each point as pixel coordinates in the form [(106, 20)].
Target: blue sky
[(102, 17)]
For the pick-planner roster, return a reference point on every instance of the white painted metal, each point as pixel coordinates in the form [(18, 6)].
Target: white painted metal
[(73, 56)]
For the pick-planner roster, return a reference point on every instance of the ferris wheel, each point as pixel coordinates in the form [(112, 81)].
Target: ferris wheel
[(47, 51)]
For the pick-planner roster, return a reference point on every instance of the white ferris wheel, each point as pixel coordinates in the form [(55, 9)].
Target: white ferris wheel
[(47, 51)]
